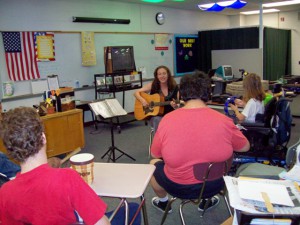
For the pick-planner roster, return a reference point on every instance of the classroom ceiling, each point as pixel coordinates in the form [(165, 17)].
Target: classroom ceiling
[(192, 5)]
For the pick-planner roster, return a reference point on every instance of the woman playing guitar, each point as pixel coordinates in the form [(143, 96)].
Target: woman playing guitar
[(164, 85)]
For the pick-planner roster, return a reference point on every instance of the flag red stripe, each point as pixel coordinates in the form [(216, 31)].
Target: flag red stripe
[(22, 65)]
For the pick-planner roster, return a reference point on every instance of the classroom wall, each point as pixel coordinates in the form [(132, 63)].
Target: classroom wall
[(283, 20), (56, 15)]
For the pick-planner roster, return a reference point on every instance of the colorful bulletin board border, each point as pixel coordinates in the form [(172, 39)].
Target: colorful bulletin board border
[(44, 46), (185, 54)]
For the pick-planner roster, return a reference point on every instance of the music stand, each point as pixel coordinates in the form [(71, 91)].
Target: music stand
[(98, 110)]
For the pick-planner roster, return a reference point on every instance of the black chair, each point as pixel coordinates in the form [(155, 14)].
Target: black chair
[(265, 135), (204, 172)]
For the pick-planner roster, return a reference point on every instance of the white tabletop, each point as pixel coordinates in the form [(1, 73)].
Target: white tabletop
[(121, 180)]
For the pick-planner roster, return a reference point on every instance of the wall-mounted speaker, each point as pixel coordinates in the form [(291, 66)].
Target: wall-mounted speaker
[(100, 20)]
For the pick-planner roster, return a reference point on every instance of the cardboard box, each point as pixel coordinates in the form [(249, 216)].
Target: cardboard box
[(237, 89)]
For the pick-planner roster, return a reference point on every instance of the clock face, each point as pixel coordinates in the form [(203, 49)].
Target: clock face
[(160, 18)]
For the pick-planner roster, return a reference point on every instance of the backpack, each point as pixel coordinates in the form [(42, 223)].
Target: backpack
[(281, 121)]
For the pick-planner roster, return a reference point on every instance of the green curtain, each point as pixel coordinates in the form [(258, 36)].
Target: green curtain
[(236, 38), (277, 53)]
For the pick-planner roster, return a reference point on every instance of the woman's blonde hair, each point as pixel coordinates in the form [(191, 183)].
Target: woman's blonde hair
[(253, 88)]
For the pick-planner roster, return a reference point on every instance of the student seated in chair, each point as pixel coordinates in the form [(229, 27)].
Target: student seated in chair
[(252, 102), (40, 194), (189, 135)]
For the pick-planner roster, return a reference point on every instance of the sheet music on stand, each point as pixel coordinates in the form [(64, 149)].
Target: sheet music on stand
[(108, 108)]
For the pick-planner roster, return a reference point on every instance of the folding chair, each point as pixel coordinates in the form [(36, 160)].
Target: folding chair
[(204, 172)]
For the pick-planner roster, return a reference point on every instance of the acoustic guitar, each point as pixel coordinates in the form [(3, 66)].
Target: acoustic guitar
[(155, 107)]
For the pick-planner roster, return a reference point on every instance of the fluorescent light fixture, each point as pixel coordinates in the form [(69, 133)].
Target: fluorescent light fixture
[(257, 11), (275, 4)]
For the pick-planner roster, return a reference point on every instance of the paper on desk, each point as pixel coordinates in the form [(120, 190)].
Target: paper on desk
[(252, 190), (259, 207)]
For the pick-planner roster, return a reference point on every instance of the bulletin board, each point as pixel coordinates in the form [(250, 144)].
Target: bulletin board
[(185, 53)]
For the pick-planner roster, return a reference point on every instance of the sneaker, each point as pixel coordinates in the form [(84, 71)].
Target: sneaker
[(213, 203), (161, 206)]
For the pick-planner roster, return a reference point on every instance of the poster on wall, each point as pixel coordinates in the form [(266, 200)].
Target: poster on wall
[(88, 51), (161, 41), (185, 53), (44, 46)]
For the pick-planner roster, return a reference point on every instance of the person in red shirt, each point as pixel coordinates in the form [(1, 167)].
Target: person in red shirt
[(40, 194), (187, 136)]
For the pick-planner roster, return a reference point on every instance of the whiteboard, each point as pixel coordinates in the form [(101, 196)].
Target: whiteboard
[(251, 60)]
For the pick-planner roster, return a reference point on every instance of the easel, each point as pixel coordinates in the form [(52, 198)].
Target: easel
[(111, 152)]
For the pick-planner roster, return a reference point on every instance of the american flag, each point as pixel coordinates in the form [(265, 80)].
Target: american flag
[(20, 56)]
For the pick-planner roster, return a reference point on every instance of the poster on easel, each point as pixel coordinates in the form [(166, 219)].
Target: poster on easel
[(88, 51), (44, 46), (185, 53)]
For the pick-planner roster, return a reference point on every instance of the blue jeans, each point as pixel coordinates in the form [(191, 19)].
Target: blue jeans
[(154, 122), (7, 167)]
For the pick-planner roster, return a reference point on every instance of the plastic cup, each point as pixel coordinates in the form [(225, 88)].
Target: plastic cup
[(84, 164)]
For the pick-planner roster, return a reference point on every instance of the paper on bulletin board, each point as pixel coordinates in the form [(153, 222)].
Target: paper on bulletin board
[(44, 46), (39, 86), (88, 51), (161, 41)]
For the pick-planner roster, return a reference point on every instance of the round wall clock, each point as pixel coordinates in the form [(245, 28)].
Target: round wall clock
[(160, 18)]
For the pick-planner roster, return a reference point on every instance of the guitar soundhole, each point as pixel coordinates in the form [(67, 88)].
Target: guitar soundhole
[(148, 110)]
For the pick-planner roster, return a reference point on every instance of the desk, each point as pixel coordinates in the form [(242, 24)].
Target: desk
[(123, 181), (246, 211), (64, 132), (215, 105)]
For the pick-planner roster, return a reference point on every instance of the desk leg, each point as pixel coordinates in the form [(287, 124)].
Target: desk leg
[(126, 212), (145, 216), (141, 206), (116, 210)]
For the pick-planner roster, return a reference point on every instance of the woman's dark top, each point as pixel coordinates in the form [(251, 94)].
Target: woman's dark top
[(172, 94)]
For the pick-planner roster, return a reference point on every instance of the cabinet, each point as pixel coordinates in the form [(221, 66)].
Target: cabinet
[(64, 132)]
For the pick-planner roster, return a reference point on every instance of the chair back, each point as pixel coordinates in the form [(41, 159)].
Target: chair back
[(270, 110), (210, 171), (293, 155)]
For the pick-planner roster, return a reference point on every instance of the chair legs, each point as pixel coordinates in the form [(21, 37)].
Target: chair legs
[(167, 210), (181, 210), (185, 201), (224, 194), (150, 141)]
